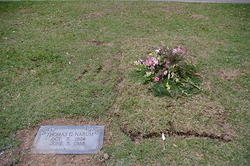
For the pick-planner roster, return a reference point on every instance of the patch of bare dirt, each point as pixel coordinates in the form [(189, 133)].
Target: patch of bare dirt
[(81, 75), (120, 85), (138, 136), (24, 10), (230, 74), (95, 42), (198, 17), (17, 22), (93, 15), (22, 155)]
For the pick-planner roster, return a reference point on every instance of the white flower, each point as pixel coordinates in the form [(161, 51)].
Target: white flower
[(139, 62), (157, 51), (136, 63), (163, 137)]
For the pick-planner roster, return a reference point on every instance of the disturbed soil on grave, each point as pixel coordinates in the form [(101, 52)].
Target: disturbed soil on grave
[(199, 117), (142, 115)]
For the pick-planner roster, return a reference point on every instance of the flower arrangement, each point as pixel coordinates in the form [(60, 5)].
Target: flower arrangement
[(170, 72)]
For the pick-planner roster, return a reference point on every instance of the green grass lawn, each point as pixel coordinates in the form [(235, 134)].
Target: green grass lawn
[(74, 59)]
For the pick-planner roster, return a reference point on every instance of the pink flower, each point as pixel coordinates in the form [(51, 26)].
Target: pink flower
[(165, 72), (155, 61), (151, 61), (177, 50), (157, 79)]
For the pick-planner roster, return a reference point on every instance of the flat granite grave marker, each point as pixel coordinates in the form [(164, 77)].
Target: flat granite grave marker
[(68, 139)]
